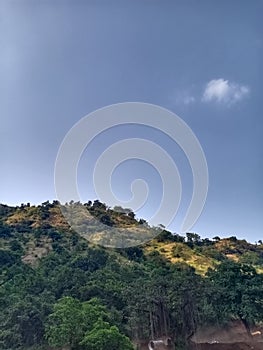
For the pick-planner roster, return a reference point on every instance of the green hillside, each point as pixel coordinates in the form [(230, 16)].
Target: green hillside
[(60, 290)]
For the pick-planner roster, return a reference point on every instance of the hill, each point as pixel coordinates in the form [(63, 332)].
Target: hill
[(171, 285)]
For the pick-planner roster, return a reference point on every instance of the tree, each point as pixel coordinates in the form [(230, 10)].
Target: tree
[(104, 336), (118, 209), (131, 214), (238, 292), (134, 253), (21, 320), (98, 204), (5, 230), (65, 326), (71, 320), (106, 220), (165, 236), (8, 258), (193, 238)]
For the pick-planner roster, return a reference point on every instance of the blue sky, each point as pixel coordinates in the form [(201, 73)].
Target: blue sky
[(60, 60)]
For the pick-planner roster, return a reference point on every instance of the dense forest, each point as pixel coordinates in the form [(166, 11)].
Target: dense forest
[(58, 290)]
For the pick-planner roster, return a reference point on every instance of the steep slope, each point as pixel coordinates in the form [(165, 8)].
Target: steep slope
[(37, 230)]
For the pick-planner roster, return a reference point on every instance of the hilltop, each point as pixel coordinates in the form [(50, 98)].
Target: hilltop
[(170, 285), (38, 230)]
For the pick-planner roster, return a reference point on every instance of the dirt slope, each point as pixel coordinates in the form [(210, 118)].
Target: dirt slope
[(233, 346)]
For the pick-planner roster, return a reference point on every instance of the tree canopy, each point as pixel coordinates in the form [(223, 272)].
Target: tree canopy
[(57, 289)]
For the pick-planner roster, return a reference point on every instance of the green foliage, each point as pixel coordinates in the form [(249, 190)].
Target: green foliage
[(8, 258), (193, 239), (213, 253), (133, 253), (73, 323), (252, 258), (5, 230), (165, 236), (15, 246), (238, 291), (21, 320), (92, 298), (179, 251), (64, 324), (104, 336)]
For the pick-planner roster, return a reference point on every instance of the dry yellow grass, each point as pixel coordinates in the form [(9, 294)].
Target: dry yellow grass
[(200, 262)]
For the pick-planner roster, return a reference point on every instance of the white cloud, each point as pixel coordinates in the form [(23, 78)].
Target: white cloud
[(184, 98), (223, 91), (188, 99)]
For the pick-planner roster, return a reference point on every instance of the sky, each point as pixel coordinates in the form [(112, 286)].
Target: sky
[(61, 60)]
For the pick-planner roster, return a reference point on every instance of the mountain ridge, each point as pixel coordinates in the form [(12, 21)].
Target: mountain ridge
[(192, 249)]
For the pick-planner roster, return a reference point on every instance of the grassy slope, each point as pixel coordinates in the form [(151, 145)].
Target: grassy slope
[(48, 218), (200, 262)]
